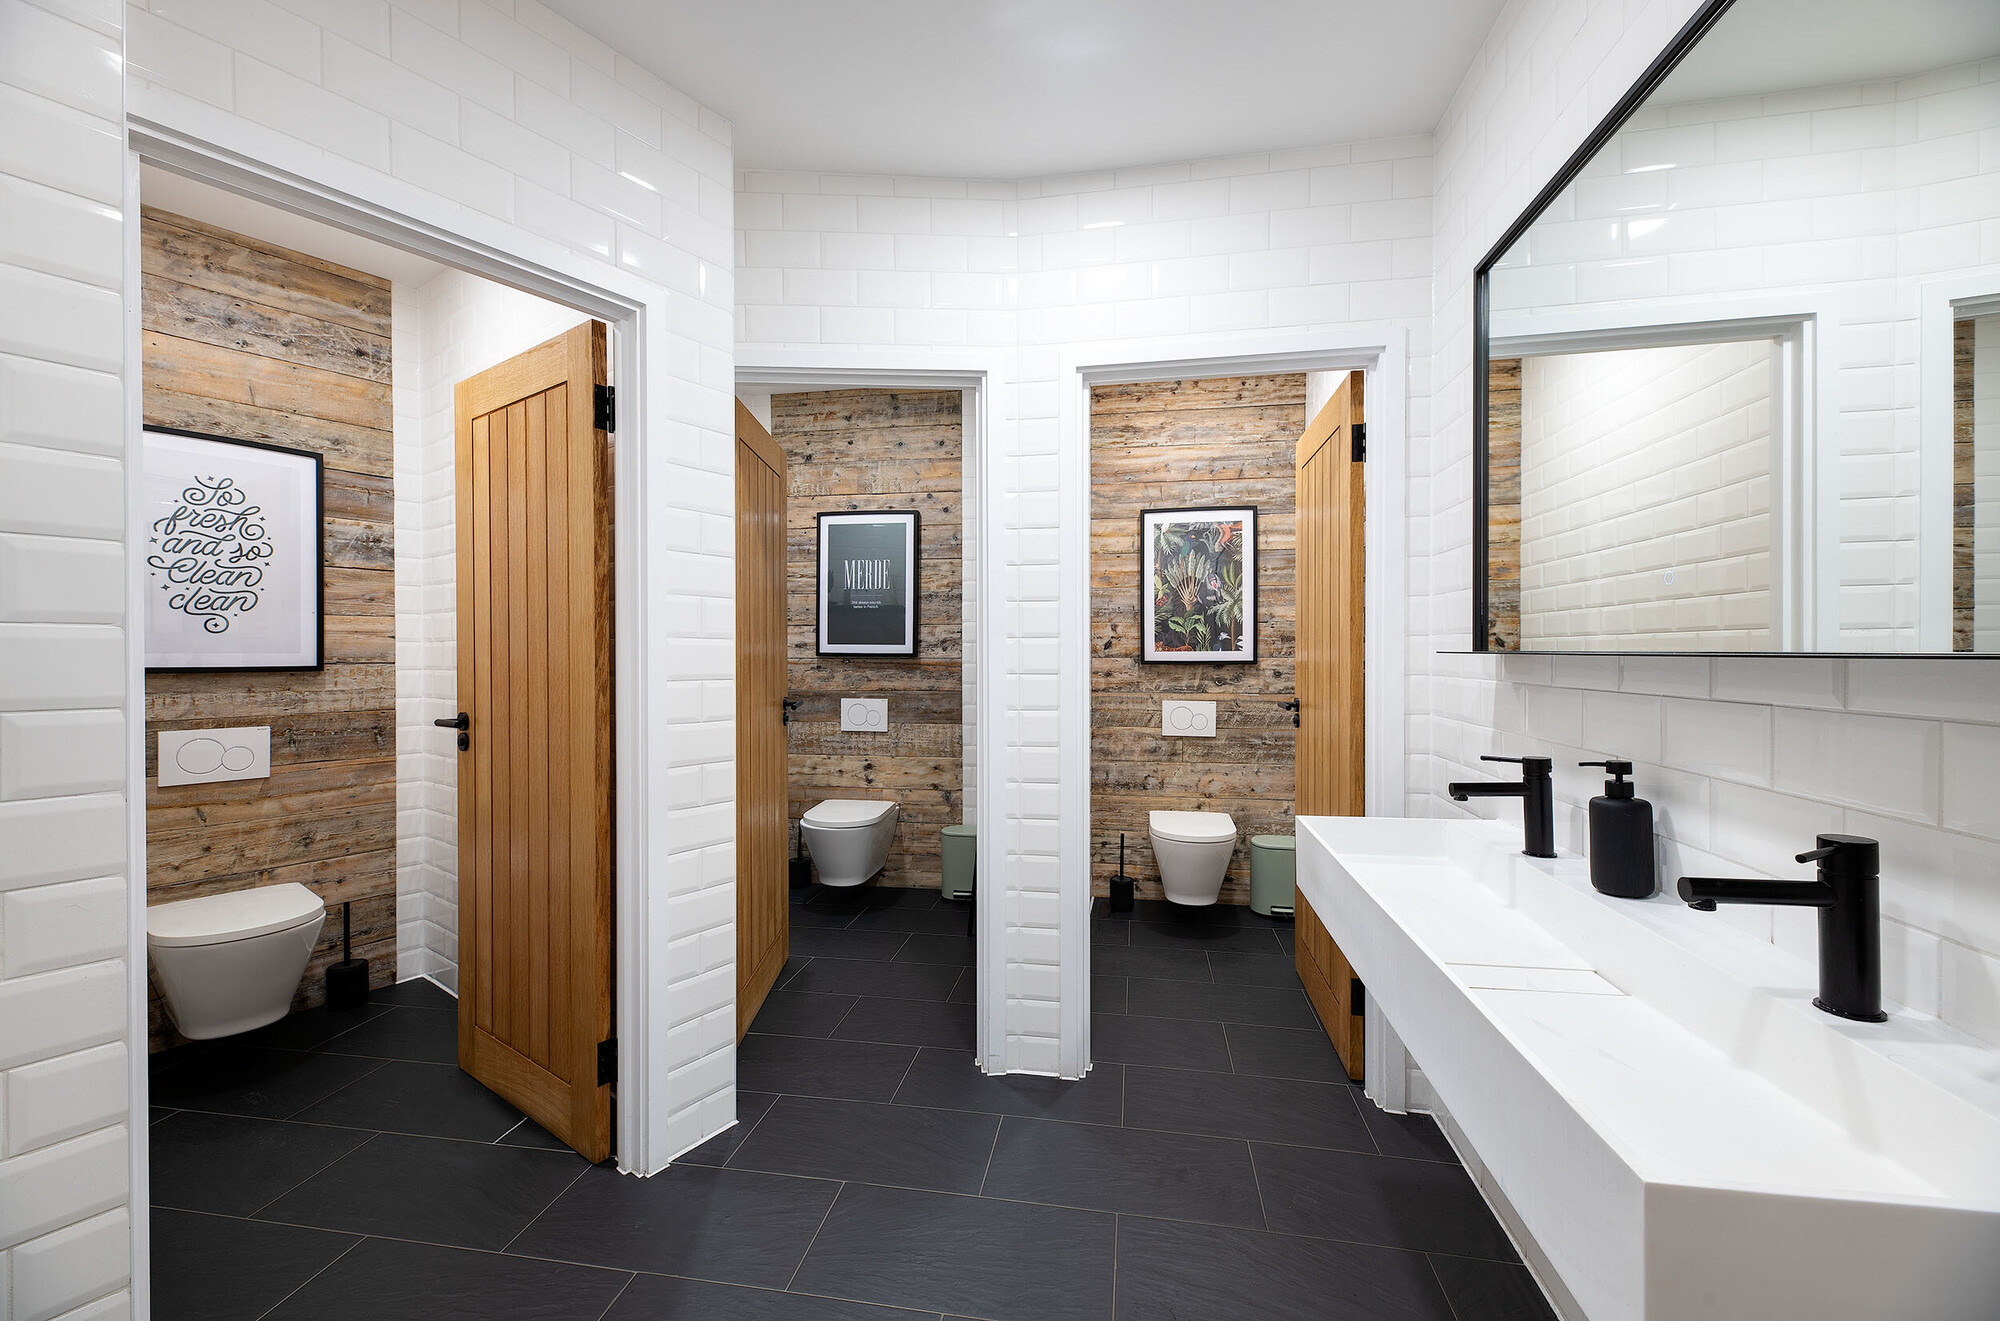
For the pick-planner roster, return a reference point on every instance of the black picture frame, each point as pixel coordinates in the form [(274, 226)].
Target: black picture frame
[(1635, 96), (827, 616), (1149, 653), (315, 540)]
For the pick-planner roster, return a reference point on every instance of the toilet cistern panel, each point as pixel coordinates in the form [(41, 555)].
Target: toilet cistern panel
[(200, 756), (1179, 719), (864, 715)]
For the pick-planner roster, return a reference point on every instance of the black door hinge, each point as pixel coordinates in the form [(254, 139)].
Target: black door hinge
[(1354, 994), (1360, 442), (604, 407), (607, 1062)]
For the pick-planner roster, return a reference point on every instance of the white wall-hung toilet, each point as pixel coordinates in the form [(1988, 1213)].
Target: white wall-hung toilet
[(849, 838), (229, 962), (1193, 850)]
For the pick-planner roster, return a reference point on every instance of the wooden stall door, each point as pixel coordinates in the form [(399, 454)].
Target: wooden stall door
[(535, 785), (1331, 744), (763, 936)]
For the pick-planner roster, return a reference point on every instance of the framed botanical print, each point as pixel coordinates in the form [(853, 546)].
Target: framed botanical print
[(1198, 585), (868, 583), (232, 533)]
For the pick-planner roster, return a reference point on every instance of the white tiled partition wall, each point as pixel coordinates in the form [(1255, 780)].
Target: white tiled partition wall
[(446, 329), (66, 1012), (515, 131), (1294, 241), (1646, 499), (1745, 760)]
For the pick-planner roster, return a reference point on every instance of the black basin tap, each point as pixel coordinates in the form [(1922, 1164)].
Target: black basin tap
[(1535, 789), (1848, 897)]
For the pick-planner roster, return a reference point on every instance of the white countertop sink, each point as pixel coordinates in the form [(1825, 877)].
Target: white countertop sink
[(1678, 1128)]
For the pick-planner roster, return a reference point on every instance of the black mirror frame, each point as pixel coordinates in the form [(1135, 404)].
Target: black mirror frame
[(1656, 73)]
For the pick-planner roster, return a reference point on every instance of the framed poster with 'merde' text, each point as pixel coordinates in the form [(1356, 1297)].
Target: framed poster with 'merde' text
[(231, 531), (868, 583)]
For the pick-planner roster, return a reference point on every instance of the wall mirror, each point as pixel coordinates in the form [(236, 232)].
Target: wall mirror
[(1737, 369)]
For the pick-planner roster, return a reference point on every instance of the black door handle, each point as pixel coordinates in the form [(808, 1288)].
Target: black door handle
[(462, 723)]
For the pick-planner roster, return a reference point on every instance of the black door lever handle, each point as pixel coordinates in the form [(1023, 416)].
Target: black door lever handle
[(461, 723)]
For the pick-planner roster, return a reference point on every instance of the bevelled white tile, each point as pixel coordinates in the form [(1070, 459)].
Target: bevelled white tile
[(1906, 685), (1972, 991), (1971, 771), (64, 61), (56, 493), (1764, 831), (1871, 762), (61, 1097), (46, 927), (175, 57), (1622, 725), (262, 31), (404, 94), (1779, 680), (58, 320), (1731, 740), (51, 666), (309, 112), (70, 1181), (52, 753), (52, 406), (432, 50)]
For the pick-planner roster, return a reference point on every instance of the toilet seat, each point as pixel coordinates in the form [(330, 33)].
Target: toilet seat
[(847, 813), (1193, 827), (217, 919)]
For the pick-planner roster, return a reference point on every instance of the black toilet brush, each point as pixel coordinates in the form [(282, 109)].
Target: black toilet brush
[(802, 868), (347, 980), (1121, 884)]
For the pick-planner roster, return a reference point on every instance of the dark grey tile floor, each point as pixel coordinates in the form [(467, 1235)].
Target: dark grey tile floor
[(1216, 1164)]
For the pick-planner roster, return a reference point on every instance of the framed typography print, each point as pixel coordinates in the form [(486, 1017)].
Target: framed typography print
[(868, 583), (231, 531), (1198, 585)]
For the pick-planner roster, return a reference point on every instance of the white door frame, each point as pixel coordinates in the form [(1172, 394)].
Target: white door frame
[(306, 181), (1939, 302), (983, 374), (1380, 350)]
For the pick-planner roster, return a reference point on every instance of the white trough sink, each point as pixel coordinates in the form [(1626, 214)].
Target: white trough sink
[(1677, 1128)]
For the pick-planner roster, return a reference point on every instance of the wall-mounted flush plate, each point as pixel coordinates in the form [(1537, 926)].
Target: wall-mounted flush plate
[(1180, 719), (864, 715), (199, 756)]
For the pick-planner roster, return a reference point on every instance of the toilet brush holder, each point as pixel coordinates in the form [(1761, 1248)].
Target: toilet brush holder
[(347, 980), (1121, 884), (802, 867)]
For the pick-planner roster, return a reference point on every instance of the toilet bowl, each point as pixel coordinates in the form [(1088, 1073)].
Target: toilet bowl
[(1193, 850), (849, 838), (229, 962)]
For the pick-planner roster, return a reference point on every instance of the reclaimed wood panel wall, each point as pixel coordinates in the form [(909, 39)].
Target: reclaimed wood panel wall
[(879, 449), (1503, 504), (1164, 445), (1962, 467), (250, 341)]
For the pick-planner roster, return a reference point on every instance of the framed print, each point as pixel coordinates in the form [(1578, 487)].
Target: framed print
[(232, 532), (868, 583), (1198, 585)]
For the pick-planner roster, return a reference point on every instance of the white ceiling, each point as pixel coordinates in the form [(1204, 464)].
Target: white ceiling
[(287, 229), (1763, 46), (1019, 88)]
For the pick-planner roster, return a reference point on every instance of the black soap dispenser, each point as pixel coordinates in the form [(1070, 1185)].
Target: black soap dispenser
[(1621, 837)]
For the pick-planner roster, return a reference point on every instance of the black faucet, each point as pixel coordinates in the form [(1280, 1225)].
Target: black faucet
[(1535, 789), (1848, 897)]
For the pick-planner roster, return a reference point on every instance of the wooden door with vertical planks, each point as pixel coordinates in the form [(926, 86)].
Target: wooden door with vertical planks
[(763, 937), (1331, 743), (535, 783)]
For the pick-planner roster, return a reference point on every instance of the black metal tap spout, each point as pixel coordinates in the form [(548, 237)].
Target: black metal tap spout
[(1848, 897), (1535, 789)]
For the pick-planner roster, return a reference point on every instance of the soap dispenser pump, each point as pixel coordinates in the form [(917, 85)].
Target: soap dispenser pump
[(1621, 837)]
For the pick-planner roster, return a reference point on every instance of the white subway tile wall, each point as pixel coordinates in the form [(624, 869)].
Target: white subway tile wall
[(503, 112), (1646, 499), (65, 1242), (1851, 194), (445, 330), (1291, 241), (1747, 758)]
